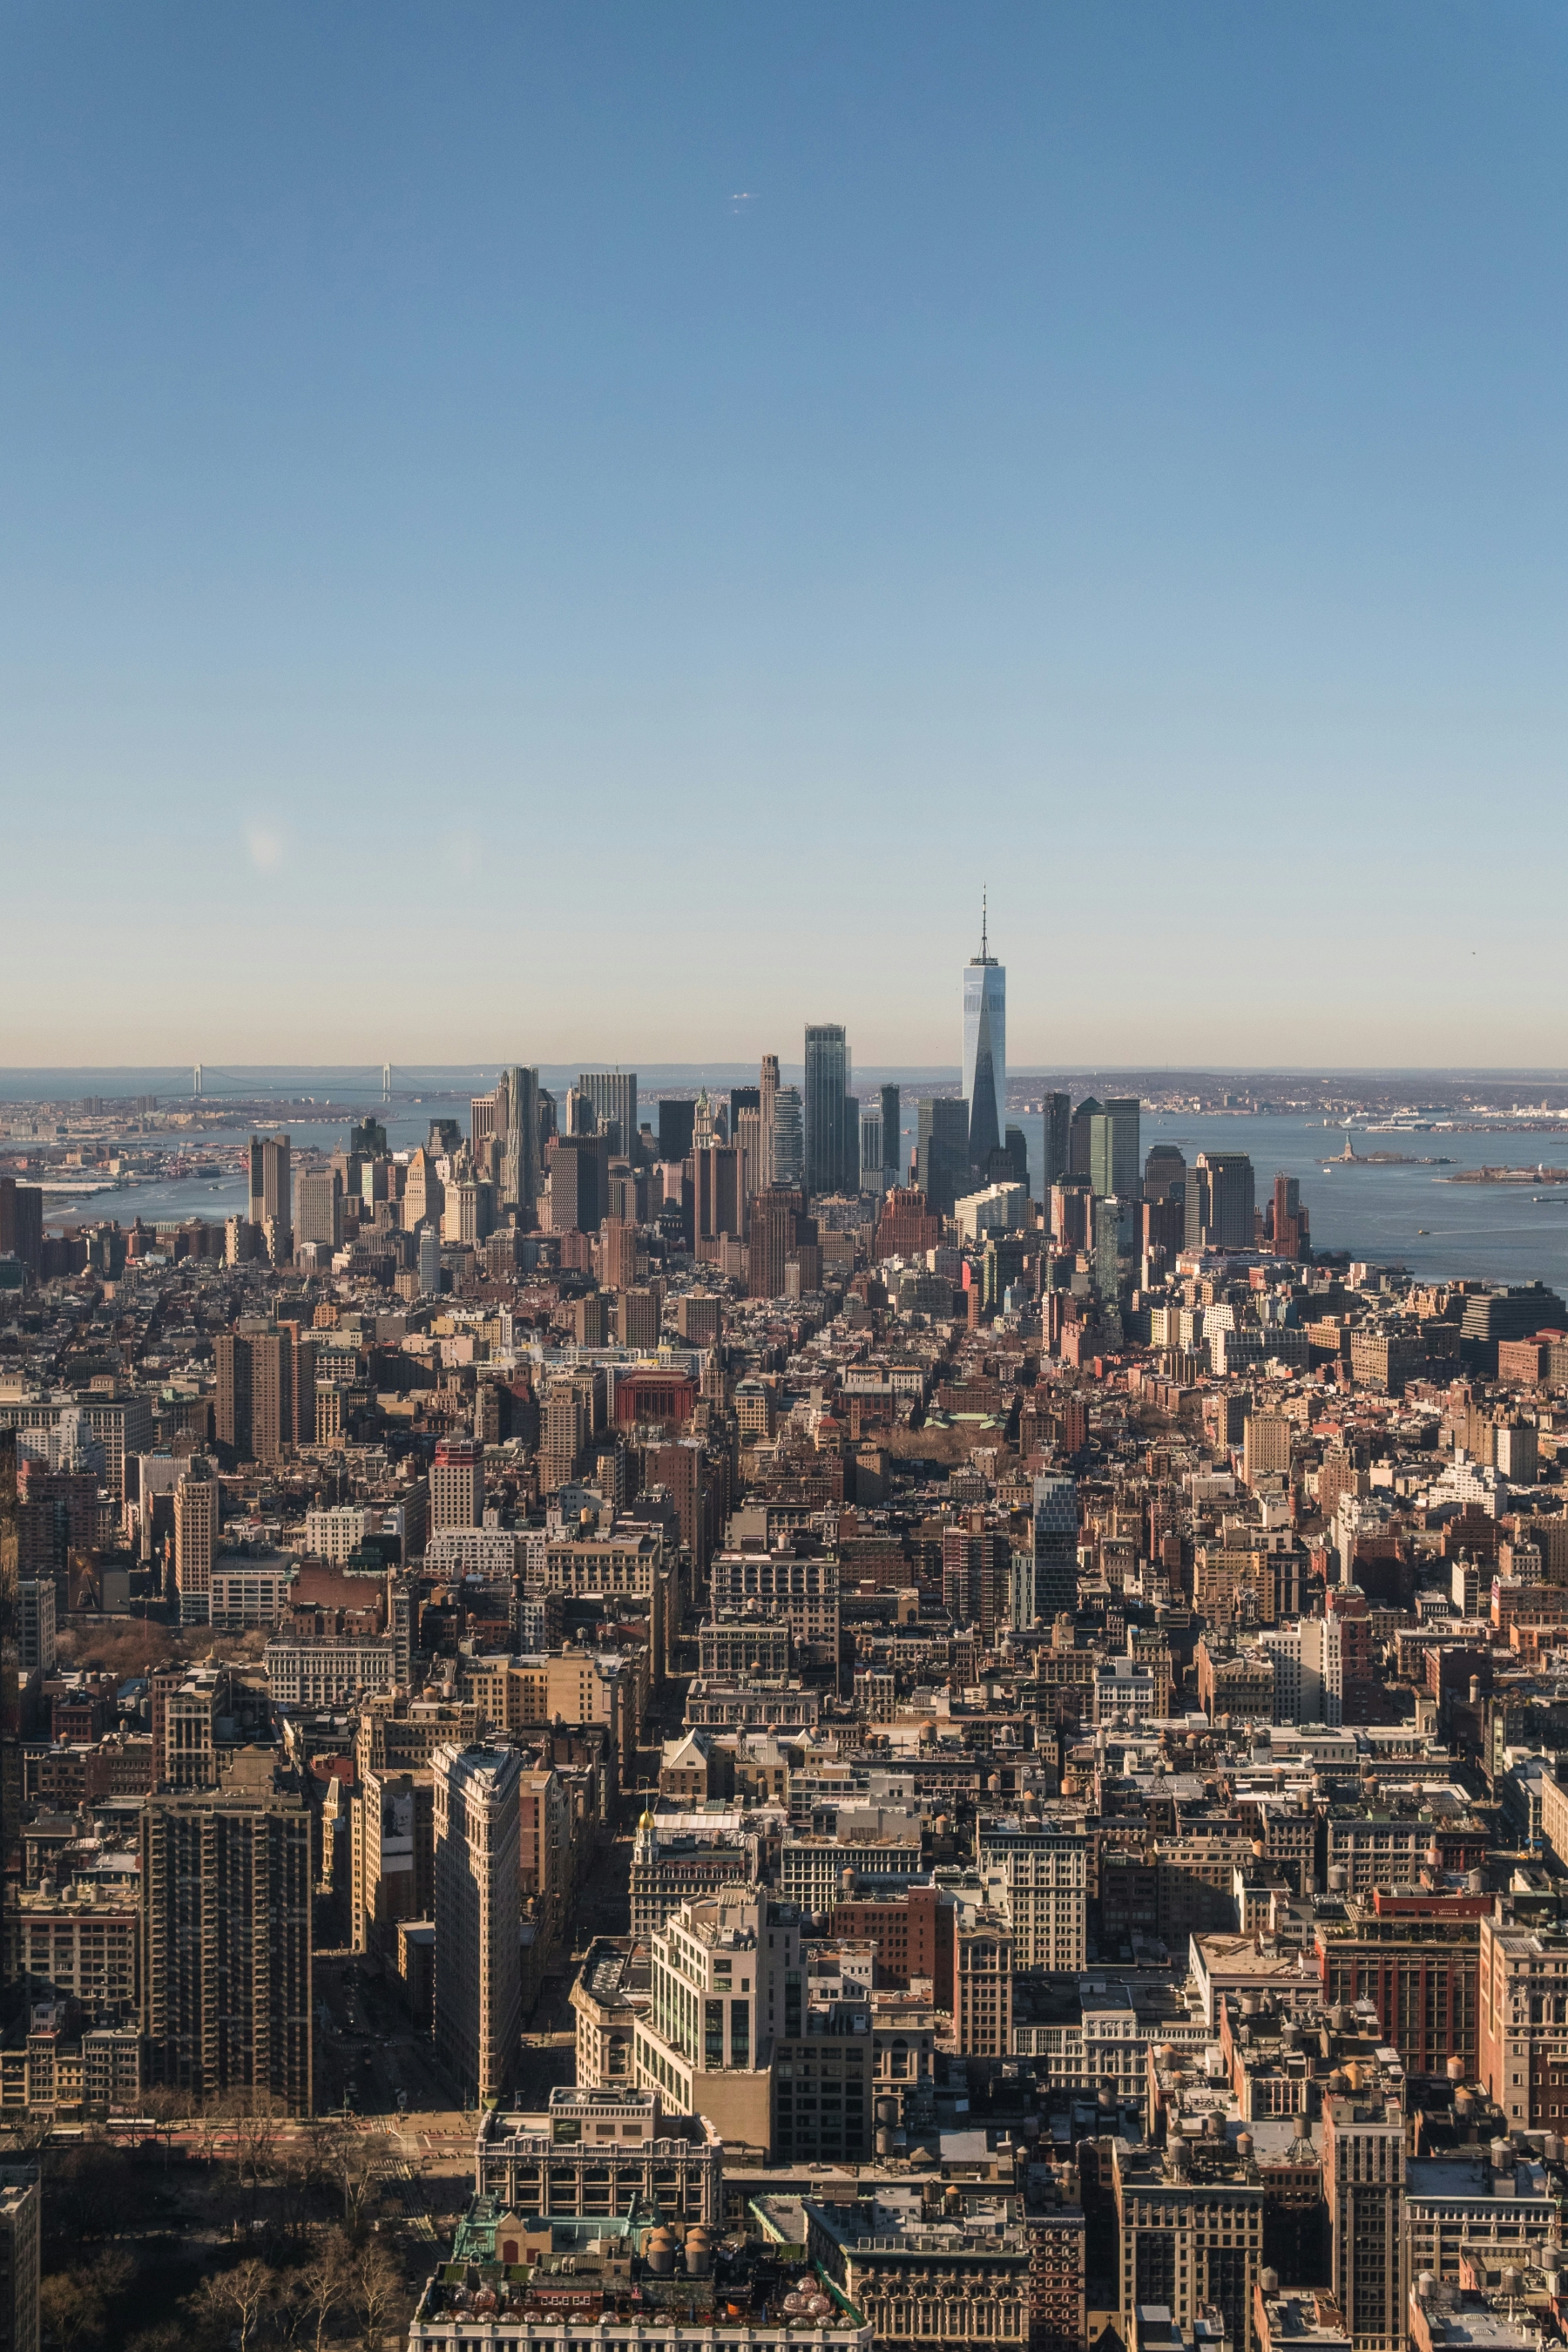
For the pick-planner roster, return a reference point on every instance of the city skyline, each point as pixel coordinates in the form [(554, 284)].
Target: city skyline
[(659, 1694)]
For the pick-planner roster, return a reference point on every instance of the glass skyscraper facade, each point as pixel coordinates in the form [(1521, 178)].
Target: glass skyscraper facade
[(832, 1120), (892, 1146), (1055, 1544), (984, 1051), (873, 1175), (614, 1094), (1114, 1147), (788, 1136), (942, 1162)]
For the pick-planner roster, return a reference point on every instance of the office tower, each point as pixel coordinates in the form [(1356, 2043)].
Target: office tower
[(1293, 1232), (469, 1214), (423, 1193), (708, 1125), (481, 1119), (563, 1432), (873, 1168), (479, 1984), (457, 1484), (1363, 2178), (581, 1117), (1107, 1248), (639, 1318), (321, 1210), (676, 1124), (1014, 1159), (1056, 1545), (271, 1192), (348, 1167), (942, 1152), (195, 1540), (718, 1202), (1113, 1147), (892, 1141), (1057, 1146), (1078, 1136), (747, 1132), (619, 1255), (517, 1126), (21, 1223), (832, 1139), (767, 1098), (226, 1938), (579, 1182), (429, 1261), (626, 1195), (745, 1128), (984, 1049), (777, 1216), (787, 1146), (1164, 1173), (614, 1095), (1219, 1203), (21, 2200)]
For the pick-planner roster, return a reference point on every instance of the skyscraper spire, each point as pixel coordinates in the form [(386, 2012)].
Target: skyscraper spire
[(985, 1044), (985, 955)]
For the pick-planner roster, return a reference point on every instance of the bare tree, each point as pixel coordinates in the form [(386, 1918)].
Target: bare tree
[(328, 2283), (238, 2297), (378, 2291), (256, 2141), (71, 2317), (299, 2175), (355, 2157)]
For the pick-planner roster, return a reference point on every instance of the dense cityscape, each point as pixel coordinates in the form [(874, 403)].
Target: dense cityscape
[(666, 1721)]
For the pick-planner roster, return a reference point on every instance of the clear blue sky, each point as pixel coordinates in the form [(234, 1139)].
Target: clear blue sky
[(590, 531)]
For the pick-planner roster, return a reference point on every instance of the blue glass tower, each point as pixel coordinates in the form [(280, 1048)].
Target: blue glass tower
[(984, 1049)]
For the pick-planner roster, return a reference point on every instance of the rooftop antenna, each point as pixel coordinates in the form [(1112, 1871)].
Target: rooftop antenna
[(985, 917)]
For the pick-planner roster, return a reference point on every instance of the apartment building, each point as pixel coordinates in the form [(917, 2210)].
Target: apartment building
[(226, 1936)]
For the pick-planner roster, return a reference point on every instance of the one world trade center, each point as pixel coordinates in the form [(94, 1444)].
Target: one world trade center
[(984, 1049)]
